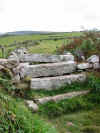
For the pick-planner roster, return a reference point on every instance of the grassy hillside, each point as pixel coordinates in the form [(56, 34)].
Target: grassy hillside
[(77, 115)]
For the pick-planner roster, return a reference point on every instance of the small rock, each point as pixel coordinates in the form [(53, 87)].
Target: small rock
[(93, 59), (9, 63), (32, 105), (84, 66), (96, 65), (1, 67), (22, 69), (67, 52), (13, 57), (3, 61), (20, 51), (17, 53), (16, 78), (70, 124)]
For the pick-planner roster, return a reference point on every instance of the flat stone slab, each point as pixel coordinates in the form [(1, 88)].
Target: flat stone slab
[(46, 58), (51, 83), (51, 69), (61, 97)]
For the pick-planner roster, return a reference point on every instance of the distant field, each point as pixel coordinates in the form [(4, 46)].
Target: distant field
[(45, 46), (10, 39)]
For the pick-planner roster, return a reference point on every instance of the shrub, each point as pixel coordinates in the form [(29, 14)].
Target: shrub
[(89, 43)]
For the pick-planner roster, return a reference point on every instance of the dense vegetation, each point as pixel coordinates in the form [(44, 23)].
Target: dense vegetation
[(87, 44)]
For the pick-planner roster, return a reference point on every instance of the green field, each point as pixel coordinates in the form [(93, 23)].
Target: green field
[(7, 40), (43, 46)]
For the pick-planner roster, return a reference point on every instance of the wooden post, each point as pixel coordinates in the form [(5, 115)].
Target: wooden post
[(3, 52)]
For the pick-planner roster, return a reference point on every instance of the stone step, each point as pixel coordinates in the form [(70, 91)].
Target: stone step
[(46, 58), (51, 83), (60, 97), (51, 69), (57, 98)]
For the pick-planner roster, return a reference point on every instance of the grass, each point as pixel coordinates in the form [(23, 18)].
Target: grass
[(82, 112), (7, 40), (46, 46), (82, 122), (15, 117)]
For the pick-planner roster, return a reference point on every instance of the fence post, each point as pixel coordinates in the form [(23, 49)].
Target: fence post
[(3, 52)]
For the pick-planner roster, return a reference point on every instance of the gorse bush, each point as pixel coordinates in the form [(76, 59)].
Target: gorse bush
[(88, 43)]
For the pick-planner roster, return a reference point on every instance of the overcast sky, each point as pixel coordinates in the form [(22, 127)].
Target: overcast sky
[(49, 15)]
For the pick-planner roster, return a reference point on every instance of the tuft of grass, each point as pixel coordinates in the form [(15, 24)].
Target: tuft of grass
[(81, 121), (53, 109), (15, 117)]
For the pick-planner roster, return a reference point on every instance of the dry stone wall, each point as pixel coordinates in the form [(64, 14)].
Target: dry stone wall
[(53, 71)]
